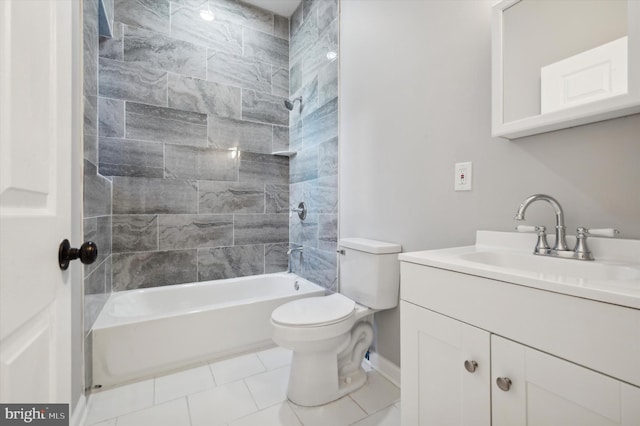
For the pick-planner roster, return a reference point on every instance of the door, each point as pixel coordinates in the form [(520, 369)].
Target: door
[(545, 390), (38, 124), (445, 370)]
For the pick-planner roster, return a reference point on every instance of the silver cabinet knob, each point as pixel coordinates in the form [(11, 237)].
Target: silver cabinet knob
[(504, 383), (470, 366)]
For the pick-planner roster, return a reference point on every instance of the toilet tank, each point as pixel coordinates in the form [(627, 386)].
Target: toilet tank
[(370, 272)]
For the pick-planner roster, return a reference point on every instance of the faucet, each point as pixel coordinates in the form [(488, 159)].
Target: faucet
[(560, 245), (291, 250)]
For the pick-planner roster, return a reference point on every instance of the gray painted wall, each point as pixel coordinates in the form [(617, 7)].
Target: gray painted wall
[(415, 82)]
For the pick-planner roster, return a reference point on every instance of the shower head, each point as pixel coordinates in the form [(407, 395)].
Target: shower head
[(289, 103)]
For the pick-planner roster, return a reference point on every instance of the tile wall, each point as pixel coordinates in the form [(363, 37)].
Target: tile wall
[(189, 114), (314, 135)]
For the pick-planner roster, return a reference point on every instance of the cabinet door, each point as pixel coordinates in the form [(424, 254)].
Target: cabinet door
[(437, 388), (546, 390)]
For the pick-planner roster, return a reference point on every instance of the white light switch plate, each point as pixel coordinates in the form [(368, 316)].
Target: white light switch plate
[(463, 174)]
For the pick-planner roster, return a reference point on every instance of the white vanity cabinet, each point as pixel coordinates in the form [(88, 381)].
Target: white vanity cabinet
[(562, 360)]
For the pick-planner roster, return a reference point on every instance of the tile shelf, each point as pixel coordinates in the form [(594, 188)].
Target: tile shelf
[(284, 153)]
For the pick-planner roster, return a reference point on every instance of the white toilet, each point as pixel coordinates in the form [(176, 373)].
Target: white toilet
[(330, 335)]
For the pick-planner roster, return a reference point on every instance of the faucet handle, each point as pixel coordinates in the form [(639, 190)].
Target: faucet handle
[(542, 246), (600, 232)]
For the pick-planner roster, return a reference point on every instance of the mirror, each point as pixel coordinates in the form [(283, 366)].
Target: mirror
[(563, 63)]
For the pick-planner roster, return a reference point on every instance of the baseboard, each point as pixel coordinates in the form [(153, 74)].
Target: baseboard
[(80, 413), (385, 367)]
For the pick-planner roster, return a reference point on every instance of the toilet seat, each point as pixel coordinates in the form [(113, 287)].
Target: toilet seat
[(314, 311)]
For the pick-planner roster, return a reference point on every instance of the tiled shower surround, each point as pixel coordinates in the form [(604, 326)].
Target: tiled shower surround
[(190, 112)]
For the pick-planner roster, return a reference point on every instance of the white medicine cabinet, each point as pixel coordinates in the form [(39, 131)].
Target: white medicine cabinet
[(564, 63)]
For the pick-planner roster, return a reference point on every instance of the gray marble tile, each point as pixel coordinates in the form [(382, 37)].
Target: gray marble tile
[(323, 194), (310, 103), (327, 12), (90, 47), (295, 136), (277, 198), (108, 273), (186, 162), (132, 233), (207, 97), (95, 281), (295, 22), (194, 231), (149, 14), (304, 166), (304, 39), (328, 232), (112, 47), (280, 139), (280, 82), (153, 50), (309, 8), (237, 70), (90, 125), (275, 258), (194, 4), (150, 123), (98, 230), (321, 125), (281, 27), (264, 107), (328, 158), (97, 192), (267, 169), (266, 48), (261, 228), (153, 196), (108, 9), (88, 363), (304, 232), (132, 82), (124, 157), (295, 77), (154, 269), (111, 117), (315, 57), (328, 82), (91, 148), (243, 14), (230, 262), (320, 267), (244, 135), (93, 304), (187, 25), (231, 197)]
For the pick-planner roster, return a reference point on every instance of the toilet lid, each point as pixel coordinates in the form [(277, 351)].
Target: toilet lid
[(313, 311)]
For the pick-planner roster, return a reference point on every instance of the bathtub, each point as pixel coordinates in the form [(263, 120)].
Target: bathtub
[(147, 332)]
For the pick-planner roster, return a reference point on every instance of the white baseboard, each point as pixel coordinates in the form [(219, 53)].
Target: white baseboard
[(80, 413), (385, 367)]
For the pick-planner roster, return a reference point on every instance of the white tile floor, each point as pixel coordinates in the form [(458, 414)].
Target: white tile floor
[(248, 390)]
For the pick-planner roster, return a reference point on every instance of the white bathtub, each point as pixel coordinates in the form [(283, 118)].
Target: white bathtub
[(146, 332)]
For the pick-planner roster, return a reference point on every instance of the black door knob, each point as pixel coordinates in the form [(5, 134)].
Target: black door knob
[(87, 253)]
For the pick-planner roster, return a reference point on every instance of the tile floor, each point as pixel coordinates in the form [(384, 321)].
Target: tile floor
[(248, 390)]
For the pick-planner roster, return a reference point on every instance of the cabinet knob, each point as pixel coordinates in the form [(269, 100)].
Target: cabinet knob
[(504, 383), (470, 366)]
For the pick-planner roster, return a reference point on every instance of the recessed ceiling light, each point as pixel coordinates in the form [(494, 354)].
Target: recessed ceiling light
[(207, 15)]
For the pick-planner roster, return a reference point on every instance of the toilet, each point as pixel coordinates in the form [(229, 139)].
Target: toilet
[(330, 335)]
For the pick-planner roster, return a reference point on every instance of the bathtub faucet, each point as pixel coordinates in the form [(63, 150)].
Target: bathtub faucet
[(291, 250)]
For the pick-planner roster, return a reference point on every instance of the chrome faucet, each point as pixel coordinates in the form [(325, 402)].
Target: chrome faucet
[(291, 250), (560, 249), (561, 241)]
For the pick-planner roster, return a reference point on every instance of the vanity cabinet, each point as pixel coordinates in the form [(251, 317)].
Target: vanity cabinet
[(479, 351)]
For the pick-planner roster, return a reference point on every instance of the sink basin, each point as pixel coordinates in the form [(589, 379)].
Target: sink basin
[(554, 268), (614, 277)]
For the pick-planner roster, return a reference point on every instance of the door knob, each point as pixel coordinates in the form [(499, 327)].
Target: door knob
[(471, 366), (504, 383), (87, 253)]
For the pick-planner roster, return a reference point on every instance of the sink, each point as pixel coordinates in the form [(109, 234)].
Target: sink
[(614, 276), (562, 269)]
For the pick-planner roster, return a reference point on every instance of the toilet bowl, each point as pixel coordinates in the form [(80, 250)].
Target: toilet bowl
[(330, 335)]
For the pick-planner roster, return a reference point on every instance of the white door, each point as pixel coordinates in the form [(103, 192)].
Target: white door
[(37, 129), (545, 390), (446, 368)]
